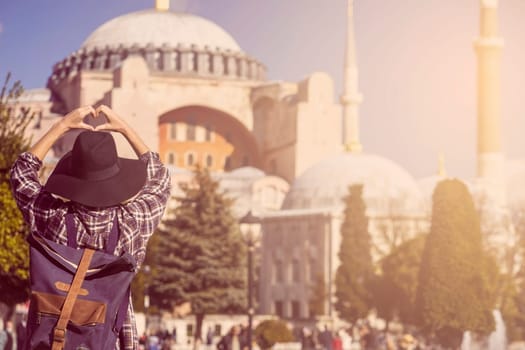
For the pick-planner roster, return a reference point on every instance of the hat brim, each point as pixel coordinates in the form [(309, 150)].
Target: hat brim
[(101, 193)]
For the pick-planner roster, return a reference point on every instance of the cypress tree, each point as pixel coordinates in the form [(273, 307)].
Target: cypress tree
[(353, 279), (201, 254), (454, 293), (395, 289)]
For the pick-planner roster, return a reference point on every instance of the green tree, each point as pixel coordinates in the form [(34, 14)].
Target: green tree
[(396, 287), (454, 293), (269, 332), (14, 253), (143, 279), (353, 279), (201, 255)]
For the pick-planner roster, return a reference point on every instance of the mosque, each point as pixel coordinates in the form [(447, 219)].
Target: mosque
[(286, 150)]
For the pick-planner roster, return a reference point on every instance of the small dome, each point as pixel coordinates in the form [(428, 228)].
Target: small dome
[(240, 179), (246, 172), (387, 186), (160, 27)]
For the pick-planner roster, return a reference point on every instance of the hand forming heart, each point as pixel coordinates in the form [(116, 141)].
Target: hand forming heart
[(113, 123), (75, 119)]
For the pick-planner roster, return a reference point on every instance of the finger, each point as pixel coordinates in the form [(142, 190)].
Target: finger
[(103, 127), (106, 110), (86, 126), (84, 111), (102, 109)]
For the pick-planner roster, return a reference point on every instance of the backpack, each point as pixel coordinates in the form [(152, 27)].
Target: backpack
[(79, 297)]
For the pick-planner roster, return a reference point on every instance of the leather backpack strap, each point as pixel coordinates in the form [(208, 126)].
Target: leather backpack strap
[(59, 332)]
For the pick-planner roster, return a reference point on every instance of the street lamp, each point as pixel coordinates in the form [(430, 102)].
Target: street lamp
[(250, 227)]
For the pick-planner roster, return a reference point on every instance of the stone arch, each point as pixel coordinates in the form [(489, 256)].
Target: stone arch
[(230, 138)]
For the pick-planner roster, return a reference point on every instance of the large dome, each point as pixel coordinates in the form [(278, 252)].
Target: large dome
[(388, 188), (171, 43), (158, 28)]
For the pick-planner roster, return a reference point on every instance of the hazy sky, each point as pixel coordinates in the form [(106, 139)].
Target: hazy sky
[(416, 61)]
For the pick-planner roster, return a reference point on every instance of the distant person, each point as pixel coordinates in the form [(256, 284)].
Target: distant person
[(307, 339), (326, 338), (369, 339), (209, 337), (232, 340), (337, 342)]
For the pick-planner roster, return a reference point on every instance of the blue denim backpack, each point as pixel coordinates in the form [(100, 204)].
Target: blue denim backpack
[(79, 297)]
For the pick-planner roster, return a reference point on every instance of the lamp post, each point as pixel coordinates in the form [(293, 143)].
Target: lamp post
[(250, 227)]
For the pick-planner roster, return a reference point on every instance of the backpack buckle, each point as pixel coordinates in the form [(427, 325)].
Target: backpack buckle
[(59, 335)]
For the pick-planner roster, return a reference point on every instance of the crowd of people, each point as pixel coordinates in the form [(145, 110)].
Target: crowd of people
[(360, 337), (235, 339)]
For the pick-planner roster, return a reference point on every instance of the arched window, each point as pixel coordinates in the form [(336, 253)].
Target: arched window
[(190, 130), (176, 60), (190, 159), (194, 62), (157, 57), (173, 131), (209, 161), (208, 133), (171, 158), (227, 163)]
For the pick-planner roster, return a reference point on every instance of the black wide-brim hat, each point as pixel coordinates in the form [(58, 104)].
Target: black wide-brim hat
[(92, 174)]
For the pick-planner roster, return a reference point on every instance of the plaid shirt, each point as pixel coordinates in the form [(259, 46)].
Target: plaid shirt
[(137, 218)]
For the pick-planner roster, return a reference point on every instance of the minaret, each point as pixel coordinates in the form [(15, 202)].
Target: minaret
[(442, 170), (162, 5), (490, 154), (351, 97)]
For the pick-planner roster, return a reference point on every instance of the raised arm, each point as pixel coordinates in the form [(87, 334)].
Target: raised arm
[(36, 205), (116, 123), (73, 120)]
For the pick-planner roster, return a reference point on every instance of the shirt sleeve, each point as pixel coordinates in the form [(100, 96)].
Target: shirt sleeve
[(37, 206), (147, 208)]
